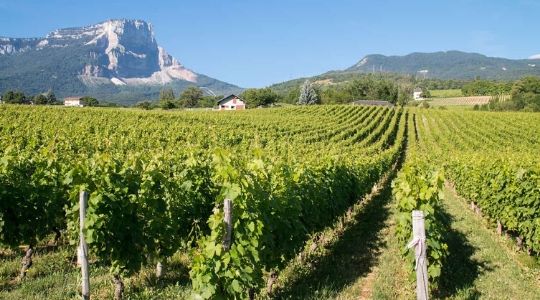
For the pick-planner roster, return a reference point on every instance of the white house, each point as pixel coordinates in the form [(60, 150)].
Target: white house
[(417, 94), (73, 101), (231, 102)]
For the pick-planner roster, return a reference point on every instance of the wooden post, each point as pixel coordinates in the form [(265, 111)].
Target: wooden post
[(83, 248), (420, 248), (227, 218), (118, 287), (159, 270), (270, 283), (499, 227), (26, 261)]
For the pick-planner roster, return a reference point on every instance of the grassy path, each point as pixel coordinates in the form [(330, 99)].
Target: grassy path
[(483, 264), (344, 267), (54, 276)]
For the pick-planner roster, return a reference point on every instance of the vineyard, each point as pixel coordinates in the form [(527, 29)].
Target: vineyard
[(494, 161), (239, 194)]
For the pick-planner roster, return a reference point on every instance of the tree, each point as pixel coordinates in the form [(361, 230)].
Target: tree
[(40, 99), (89, 101), (308, 94), (14, 97), (259, 97), (166, 94), (405, 94), (167, 104), (209, 101), (486, 88), (425, 93), (51, 97), (526, 94), (146, 105), (191, 96)]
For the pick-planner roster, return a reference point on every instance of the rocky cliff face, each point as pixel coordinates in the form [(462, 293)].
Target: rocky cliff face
[(121, 49), (115, 52)]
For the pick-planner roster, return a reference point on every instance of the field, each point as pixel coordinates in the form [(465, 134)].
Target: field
[(462, 101), (452, 93), (314, 213)]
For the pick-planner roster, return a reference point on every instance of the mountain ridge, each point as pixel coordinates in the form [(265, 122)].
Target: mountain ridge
[(451, 64)]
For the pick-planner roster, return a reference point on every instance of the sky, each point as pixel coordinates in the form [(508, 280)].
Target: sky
[(255, 43)]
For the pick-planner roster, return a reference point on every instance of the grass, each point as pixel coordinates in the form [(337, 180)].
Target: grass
[(54, 275), (446, 93), (483, 264), (342, 262), (393, 280)]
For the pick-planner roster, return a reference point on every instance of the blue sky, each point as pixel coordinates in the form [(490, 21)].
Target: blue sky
[(254, 43)]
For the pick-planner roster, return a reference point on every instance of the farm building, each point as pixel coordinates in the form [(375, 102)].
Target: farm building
[(73, 101), (417, 94), (231, 102)]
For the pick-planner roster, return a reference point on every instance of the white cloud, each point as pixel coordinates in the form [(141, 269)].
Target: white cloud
[(536, 56)]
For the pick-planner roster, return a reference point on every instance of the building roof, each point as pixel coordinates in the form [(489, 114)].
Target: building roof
[(72, 99), (225, 99), (372, 102), (417, 90)]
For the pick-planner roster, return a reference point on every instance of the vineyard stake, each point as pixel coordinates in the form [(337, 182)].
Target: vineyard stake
[(83, 248), (499, 227), (227, 218), (420, 248), (159, 269)]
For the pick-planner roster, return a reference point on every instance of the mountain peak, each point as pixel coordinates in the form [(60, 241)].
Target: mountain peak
[(109, 54)]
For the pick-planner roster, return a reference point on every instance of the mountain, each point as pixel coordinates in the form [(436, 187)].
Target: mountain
[(456, 65), (117, 61), (449, 65)]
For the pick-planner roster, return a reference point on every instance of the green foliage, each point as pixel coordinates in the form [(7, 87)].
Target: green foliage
[(14, 97), (127, 195), (492, 159), (368, 88), (32, 196), (51, 97), (209, 101), (259, 97), (40, 99), (420, 187), (405, 94), (167, 104), (486, 88), (146, 105), (525, 97), (269, 228), (191, 97), (425, 93), (505, 190), (156, 183), (89, 101)]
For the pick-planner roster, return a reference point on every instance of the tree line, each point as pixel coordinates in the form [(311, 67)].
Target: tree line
[(525, 96), (18, 97), (47, 98)]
